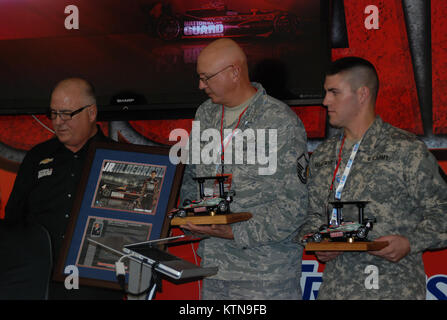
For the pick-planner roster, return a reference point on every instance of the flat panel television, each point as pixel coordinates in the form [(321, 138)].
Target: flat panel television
[(141, 55)]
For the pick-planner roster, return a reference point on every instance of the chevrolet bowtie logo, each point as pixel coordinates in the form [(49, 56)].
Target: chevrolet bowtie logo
[(47, 160)]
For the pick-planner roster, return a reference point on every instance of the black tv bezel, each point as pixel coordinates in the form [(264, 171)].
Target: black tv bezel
[(187, 110)]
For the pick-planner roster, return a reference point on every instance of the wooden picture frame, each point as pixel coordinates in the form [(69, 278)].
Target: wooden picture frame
[(124, 195)]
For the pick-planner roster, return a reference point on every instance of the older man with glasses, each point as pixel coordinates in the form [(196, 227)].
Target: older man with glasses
[(47, 180), (256, 258)]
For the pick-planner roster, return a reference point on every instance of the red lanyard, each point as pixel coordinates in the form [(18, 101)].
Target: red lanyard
[(232, 133), (338, 163)]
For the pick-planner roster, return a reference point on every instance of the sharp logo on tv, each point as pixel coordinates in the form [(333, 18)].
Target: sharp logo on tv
[(125, 100)]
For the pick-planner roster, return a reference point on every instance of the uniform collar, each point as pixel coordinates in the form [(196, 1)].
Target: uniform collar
[(98, 136), (252, 107), (373, 134)]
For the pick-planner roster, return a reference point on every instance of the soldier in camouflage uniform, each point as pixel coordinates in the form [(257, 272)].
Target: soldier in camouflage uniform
[(392, 170), (256, 258)]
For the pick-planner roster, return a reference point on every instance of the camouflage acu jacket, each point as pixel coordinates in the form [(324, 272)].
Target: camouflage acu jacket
[(400, 177), (262, 247)]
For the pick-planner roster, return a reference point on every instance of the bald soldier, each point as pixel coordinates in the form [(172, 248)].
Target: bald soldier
[(256, 258), (47, 180), (392, 170)]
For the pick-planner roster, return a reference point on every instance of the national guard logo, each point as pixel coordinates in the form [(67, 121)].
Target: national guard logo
[(47, 160), (302, 168)]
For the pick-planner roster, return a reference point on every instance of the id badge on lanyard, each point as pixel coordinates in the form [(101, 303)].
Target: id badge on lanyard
[(346, 172), (333, 221), (221, 152), (224, 142)]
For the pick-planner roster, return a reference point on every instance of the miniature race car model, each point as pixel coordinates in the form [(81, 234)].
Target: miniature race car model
[(126, 195), (218, 21), (207, 205), (338, 230)]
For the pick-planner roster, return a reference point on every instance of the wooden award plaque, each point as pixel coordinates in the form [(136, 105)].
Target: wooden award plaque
[(217, 219), (346, 246)]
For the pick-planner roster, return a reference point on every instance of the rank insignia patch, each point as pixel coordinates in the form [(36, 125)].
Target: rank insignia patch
[(302, 168)]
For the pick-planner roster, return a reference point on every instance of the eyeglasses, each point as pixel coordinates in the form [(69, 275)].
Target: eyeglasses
[(205, 79), (64, 115)]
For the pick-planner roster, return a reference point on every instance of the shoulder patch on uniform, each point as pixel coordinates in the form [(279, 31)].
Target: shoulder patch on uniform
[(302, 168), (47, 160)]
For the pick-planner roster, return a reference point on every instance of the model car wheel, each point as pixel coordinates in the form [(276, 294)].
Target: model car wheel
[(222, 207), (362, 233), (181, 213), (168, 28), (317, 237)]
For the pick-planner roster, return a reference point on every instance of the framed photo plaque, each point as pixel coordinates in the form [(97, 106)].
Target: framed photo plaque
[(123, 197)]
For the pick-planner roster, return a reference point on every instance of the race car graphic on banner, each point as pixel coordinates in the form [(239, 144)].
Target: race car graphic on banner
[(219, 21)]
